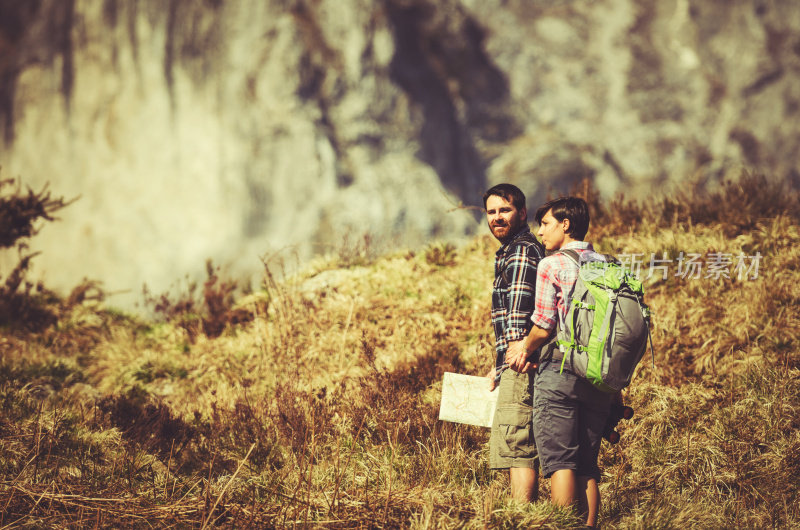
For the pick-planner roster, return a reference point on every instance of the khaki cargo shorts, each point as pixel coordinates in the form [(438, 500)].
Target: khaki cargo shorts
[(511, 443)]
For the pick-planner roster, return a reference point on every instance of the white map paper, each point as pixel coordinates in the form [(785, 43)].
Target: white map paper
[(466, 399)]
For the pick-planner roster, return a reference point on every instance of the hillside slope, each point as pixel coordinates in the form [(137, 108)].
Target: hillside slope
[(314, 401)]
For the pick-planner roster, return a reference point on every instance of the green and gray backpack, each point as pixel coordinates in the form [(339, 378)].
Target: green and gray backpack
[(607, 327)]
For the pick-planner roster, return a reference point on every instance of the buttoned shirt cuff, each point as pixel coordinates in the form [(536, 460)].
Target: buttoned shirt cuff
[(515, 334)]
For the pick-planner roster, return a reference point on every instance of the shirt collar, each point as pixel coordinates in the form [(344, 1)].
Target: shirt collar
[(578, 245), (524, 230)]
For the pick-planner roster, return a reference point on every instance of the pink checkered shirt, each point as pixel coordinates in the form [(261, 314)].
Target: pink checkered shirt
[(555, 276)]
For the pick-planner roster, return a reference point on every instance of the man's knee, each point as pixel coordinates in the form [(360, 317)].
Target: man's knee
[(524, 483), (563, 487)]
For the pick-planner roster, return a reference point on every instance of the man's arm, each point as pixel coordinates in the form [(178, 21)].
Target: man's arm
[(520, 269), (544, 321)]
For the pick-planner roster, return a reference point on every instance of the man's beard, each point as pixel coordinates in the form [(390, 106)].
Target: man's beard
[(504, 233)]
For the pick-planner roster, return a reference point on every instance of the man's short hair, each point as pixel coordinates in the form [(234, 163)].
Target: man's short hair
[(573, 208), (509, 192)]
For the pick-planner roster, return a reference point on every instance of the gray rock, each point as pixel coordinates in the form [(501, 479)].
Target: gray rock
[(233, 130)]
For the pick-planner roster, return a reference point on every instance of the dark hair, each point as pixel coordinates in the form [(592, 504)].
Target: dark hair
[(509, 192), (573, 208)]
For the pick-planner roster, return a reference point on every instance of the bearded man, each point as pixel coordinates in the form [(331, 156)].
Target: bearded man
[(512, 445)]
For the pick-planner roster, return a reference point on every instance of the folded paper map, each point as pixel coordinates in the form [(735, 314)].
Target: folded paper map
[(466, 399)]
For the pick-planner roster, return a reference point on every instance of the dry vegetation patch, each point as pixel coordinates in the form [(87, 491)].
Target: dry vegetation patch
[(313, 401)]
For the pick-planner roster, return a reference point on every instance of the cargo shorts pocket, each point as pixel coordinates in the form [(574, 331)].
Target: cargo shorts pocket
[(515, 432)]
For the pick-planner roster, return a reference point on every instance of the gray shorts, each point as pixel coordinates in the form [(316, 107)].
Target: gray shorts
[(569, 416), (511, 443)]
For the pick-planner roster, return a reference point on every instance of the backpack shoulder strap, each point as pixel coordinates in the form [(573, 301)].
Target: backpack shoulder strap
[(571, 254)]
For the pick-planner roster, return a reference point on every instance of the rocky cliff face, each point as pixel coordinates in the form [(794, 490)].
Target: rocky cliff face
[(232, 130)]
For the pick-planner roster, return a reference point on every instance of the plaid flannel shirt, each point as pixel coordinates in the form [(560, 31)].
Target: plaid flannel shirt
[(556, 276), (513, 303)]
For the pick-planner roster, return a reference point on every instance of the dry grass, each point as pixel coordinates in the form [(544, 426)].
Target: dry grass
[(313, 402)]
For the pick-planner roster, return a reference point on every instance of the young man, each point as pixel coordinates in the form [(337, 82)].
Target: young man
[(569, 412), (511, 445)]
